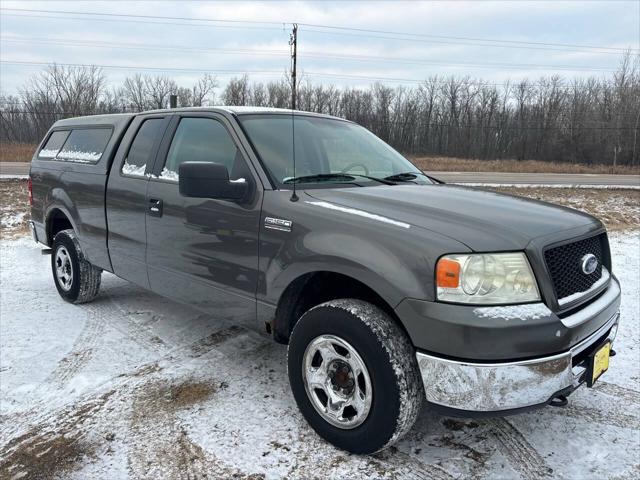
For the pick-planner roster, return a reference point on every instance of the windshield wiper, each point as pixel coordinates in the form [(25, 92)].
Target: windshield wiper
[(404, 176), (386, 181), (321, 177), (409, 176)]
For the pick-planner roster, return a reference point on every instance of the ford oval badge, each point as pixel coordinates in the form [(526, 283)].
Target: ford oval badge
[(589, 263)]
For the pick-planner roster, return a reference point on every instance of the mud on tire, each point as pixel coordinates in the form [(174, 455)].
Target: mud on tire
[(76, 280), (389, 357)]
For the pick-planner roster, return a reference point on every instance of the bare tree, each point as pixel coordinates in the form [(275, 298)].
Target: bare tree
[(204, 90), (136, 93), (158, 90), (237, 91), (589, 120)]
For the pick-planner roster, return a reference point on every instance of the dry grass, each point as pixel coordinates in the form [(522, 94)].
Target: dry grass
[(618, 209), (14, 208), (17, 152), (452, 164)]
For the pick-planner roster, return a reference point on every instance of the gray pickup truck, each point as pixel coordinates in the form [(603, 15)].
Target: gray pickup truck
[(390, 288)]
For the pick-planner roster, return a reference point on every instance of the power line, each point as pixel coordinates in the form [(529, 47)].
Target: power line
[(143, 22), (475, 44), (140, 67), (283, 30), (361, 31), (134, 68), (473, 39), (310, 54), (131, 15), (140, 46), (500, 65), (409, 80)]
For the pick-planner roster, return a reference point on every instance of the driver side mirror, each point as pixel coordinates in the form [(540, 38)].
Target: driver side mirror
[(209, 180)]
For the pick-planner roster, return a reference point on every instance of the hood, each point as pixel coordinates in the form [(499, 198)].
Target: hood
[(482, 220)]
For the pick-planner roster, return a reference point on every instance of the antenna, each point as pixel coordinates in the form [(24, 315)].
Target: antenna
[(293, 42)]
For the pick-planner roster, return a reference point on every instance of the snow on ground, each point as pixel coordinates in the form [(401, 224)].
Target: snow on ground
[(136, 386)]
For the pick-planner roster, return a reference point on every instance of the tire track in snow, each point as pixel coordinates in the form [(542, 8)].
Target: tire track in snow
[(49, 446), (629, 395), (409, 467), (206, 344), (18, 423), (81, 350), (158, 446), (48, 436), (140, 334), (612, 418), (522, 456)]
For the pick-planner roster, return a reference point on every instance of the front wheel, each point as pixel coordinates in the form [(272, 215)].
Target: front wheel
[(76, 279), (354, 375)]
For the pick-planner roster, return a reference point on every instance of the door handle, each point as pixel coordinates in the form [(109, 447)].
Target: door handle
[(155, 207)]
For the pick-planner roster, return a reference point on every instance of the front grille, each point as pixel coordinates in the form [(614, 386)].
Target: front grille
[(565, 265)]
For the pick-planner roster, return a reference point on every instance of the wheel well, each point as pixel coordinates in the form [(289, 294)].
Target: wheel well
[(56, 222), (312, 289)]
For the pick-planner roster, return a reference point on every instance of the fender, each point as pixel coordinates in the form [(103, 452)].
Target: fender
[(59, 200), (382, 269)]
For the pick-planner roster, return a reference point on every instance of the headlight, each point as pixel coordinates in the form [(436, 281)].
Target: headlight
[(486, 279)]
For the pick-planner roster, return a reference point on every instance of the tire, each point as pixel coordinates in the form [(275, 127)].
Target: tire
[(394, 387), (76, 279)]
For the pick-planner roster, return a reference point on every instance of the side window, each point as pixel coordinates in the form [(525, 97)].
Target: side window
[(199, 140), (141, 148), (85, 145), (54, 144)]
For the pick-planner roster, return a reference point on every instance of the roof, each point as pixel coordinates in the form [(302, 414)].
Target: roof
[(243, 110), (118, 119), (115, 119)]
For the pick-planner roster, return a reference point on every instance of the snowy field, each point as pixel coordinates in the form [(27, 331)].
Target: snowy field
[(136, 386)]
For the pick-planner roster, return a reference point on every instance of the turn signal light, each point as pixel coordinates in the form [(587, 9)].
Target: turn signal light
[(448, 273)]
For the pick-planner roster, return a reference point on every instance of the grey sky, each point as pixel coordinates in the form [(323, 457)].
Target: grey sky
[(211, 46)]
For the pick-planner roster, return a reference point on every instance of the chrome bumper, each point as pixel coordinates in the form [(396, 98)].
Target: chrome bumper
[(494, 387)]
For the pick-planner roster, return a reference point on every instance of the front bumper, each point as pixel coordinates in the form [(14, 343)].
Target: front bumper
[(494, 387)]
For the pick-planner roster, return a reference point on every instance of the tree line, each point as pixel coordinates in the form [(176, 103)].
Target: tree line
[(588, 120)]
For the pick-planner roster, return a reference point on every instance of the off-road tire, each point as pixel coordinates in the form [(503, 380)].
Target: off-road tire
[(389, 357), (86, 277)]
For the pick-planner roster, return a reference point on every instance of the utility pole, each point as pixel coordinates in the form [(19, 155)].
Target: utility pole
[(293, 42)]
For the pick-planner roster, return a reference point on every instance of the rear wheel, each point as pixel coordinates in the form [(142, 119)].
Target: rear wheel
[(354, 375), (76, 279)]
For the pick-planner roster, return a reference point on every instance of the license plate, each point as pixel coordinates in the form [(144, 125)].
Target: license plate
[(600, 362)]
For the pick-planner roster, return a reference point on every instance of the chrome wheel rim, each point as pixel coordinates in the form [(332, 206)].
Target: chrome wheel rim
[(64, 269), (337, 381)]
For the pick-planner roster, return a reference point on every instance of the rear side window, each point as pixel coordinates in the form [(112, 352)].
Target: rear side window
[(142, 147), (85, 145), (54, 144)]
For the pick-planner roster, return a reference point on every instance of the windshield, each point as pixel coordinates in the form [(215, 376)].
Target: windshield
[(327, 151)]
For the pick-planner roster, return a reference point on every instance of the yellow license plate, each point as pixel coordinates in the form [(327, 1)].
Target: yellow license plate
[(600, 361)]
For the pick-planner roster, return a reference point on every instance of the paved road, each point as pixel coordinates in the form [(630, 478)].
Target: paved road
[(539, 178), (15, 168)]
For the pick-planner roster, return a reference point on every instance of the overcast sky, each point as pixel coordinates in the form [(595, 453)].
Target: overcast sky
[(441, 38)]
